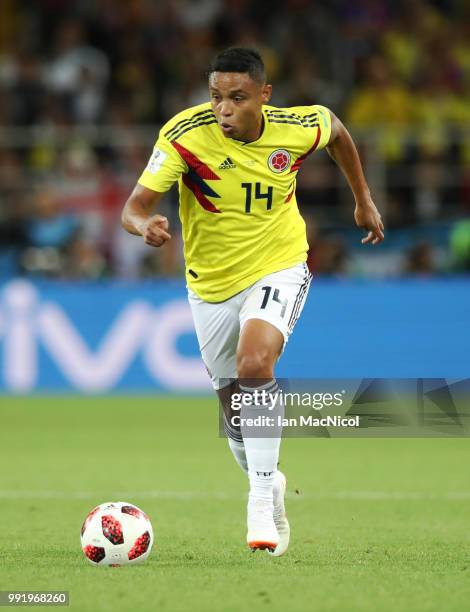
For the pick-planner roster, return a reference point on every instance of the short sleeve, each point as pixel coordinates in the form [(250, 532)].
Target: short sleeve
[(324, 122), (164, 167)]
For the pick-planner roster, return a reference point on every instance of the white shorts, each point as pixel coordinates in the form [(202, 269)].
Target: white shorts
[(277, 298)]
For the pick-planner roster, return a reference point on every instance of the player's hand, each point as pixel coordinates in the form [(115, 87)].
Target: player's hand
[(368, 217), (155, 230)]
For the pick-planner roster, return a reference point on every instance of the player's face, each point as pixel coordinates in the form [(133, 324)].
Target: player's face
[(237, 101)]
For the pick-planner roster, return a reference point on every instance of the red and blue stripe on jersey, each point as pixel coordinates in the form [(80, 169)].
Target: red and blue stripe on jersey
[(195, 178)]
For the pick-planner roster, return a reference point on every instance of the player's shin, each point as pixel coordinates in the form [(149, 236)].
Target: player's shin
[(232, 431), (238, 451)]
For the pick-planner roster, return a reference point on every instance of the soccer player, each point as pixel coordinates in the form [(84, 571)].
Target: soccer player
[(236, 160)]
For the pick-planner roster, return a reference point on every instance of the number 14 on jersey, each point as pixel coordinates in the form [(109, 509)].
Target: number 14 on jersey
[(258, 195)]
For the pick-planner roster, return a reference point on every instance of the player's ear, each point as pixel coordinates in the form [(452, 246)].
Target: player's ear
[(266, 93)]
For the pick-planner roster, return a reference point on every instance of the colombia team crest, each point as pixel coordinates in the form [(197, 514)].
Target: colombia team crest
[(279, 160)]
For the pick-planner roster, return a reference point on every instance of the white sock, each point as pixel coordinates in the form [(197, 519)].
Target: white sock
[(262, 454), (238, 451)]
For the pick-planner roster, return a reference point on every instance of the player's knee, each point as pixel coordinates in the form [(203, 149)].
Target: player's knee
[(254, 364)]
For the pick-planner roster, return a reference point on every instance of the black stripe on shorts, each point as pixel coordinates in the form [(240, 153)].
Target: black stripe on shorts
[(298, 300)]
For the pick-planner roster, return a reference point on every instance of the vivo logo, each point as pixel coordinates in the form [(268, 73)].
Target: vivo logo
[(27, 323)]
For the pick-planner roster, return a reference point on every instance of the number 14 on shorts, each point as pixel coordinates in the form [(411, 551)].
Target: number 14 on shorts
[(273, 294)]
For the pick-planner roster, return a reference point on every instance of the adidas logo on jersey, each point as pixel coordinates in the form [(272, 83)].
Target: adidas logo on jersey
[(227, 164)]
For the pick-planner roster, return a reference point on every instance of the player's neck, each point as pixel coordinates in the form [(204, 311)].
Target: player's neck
[(256, 132)]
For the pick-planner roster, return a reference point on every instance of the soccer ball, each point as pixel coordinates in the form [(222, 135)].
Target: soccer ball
[(116, 533)]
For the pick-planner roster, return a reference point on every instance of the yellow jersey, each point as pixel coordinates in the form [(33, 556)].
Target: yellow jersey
[(238, 209)]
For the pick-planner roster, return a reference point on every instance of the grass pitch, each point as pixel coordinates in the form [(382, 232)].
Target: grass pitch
[(377, 524)]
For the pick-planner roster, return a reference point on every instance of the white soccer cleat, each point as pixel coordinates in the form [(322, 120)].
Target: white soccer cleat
[(262, 532), (279, 515)]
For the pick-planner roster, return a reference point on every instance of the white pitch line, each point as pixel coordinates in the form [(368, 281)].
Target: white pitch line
[(202, 495), (113, 495)]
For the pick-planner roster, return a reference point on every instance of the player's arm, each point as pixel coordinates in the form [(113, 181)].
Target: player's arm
[(137, 217), (343, 150)]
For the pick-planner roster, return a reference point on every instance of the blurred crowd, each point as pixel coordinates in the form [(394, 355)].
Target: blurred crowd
[(84, 85)]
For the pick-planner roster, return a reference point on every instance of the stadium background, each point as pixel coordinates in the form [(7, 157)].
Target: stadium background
[(103, 396), (84, 87)]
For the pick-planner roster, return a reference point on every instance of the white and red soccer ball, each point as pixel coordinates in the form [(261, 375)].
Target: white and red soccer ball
[(116, 533)]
